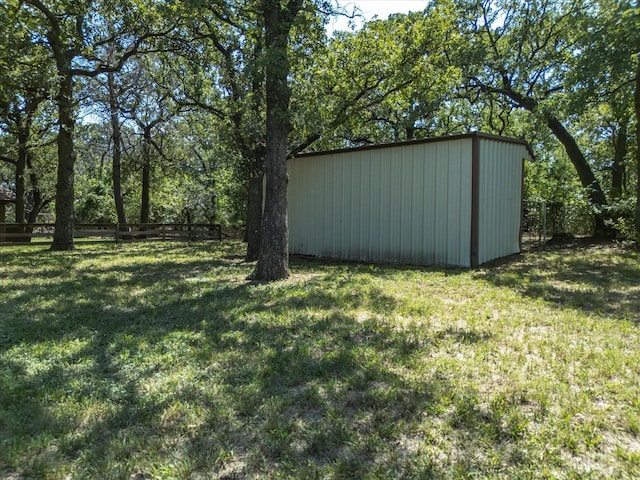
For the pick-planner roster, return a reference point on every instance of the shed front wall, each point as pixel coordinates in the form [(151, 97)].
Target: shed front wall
[(403, 204), (500, 198)]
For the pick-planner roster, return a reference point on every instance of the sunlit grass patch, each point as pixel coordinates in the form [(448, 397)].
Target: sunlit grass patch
[(163, 359)]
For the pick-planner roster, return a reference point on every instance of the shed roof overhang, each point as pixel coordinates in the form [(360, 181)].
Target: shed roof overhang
[(473, 135)]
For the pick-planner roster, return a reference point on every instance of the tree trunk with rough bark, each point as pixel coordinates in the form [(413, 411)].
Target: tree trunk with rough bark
[(116, 174), (63, 55), (587, 178), (273, 261), (64, 224)]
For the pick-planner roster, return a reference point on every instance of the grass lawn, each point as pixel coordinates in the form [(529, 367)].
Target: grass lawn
[(160, 361)]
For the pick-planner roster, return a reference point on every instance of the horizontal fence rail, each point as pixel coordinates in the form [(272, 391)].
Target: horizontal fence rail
[(120, 232)]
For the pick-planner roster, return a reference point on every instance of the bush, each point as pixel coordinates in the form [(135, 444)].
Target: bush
[(620, 216)]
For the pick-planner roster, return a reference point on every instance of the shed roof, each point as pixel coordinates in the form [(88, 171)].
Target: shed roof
[(426, 140), (6, 195)]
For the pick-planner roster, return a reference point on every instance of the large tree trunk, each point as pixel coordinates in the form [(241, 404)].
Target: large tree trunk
[(587, 178), (273, 262), (597, 197), (63, 235), (254, 216), (116, 174), (65, 193)]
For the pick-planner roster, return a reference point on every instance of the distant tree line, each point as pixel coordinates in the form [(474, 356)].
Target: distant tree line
[(114, 110)]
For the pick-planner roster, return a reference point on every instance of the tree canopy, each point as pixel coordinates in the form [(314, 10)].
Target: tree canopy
[(176, 111)]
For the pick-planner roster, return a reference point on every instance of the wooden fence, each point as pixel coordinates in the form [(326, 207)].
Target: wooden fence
[(13, 233)]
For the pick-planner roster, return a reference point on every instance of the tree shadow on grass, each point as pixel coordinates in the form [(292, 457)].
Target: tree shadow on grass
[(599, 279), (192, 373)]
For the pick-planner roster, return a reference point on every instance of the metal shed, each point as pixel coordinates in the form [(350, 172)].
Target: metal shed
[(453, 200)]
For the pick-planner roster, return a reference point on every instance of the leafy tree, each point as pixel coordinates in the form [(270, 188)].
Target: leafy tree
[(25, 88), (226, 79), (82, 45), (93, 198), (273, 261), (151, 109), (524, 52), (607, 76), (116, 140), (383, 83)]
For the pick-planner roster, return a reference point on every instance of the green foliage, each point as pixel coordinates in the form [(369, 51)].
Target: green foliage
[(450, 69), (382, 83), (622, 214), (95, 203)]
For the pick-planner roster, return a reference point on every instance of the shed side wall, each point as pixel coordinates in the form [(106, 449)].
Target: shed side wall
[(500, 198), (403, 204)]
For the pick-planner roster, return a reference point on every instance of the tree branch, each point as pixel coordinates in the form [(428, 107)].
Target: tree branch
[(132, 50)]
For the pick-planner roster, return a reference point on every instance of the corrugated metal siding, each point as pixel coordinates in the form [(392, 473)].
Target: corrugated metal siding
[(408, 204), (500, 197)]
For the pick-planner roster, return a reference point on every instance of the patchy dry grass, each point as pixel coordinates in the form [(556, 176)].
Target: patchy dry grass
[(161, 359)]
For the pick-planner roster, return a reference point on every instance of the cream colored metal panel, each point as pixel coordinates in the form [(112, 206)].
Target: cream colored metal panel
[(313, 219), (367, 201), (343, 170), (340, 224), (292, 193), (360, 213), (296, 200), (441, 215), (376, 204), (357, 237), (324, 209), (459, 203), (500, 197), (406, 203), (310, 206), (391, 182), (404, 192), (351, 204), (466, 193), (453, 204), (417, 202), (395, 206), (428, 205)]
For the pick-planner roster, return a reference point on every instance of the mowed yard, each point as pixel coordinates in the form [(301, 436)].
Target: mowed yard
[(161, 361)]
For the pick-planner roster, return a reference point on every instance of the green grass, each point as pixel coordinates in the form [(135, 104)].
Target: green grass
[(162, 359)]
